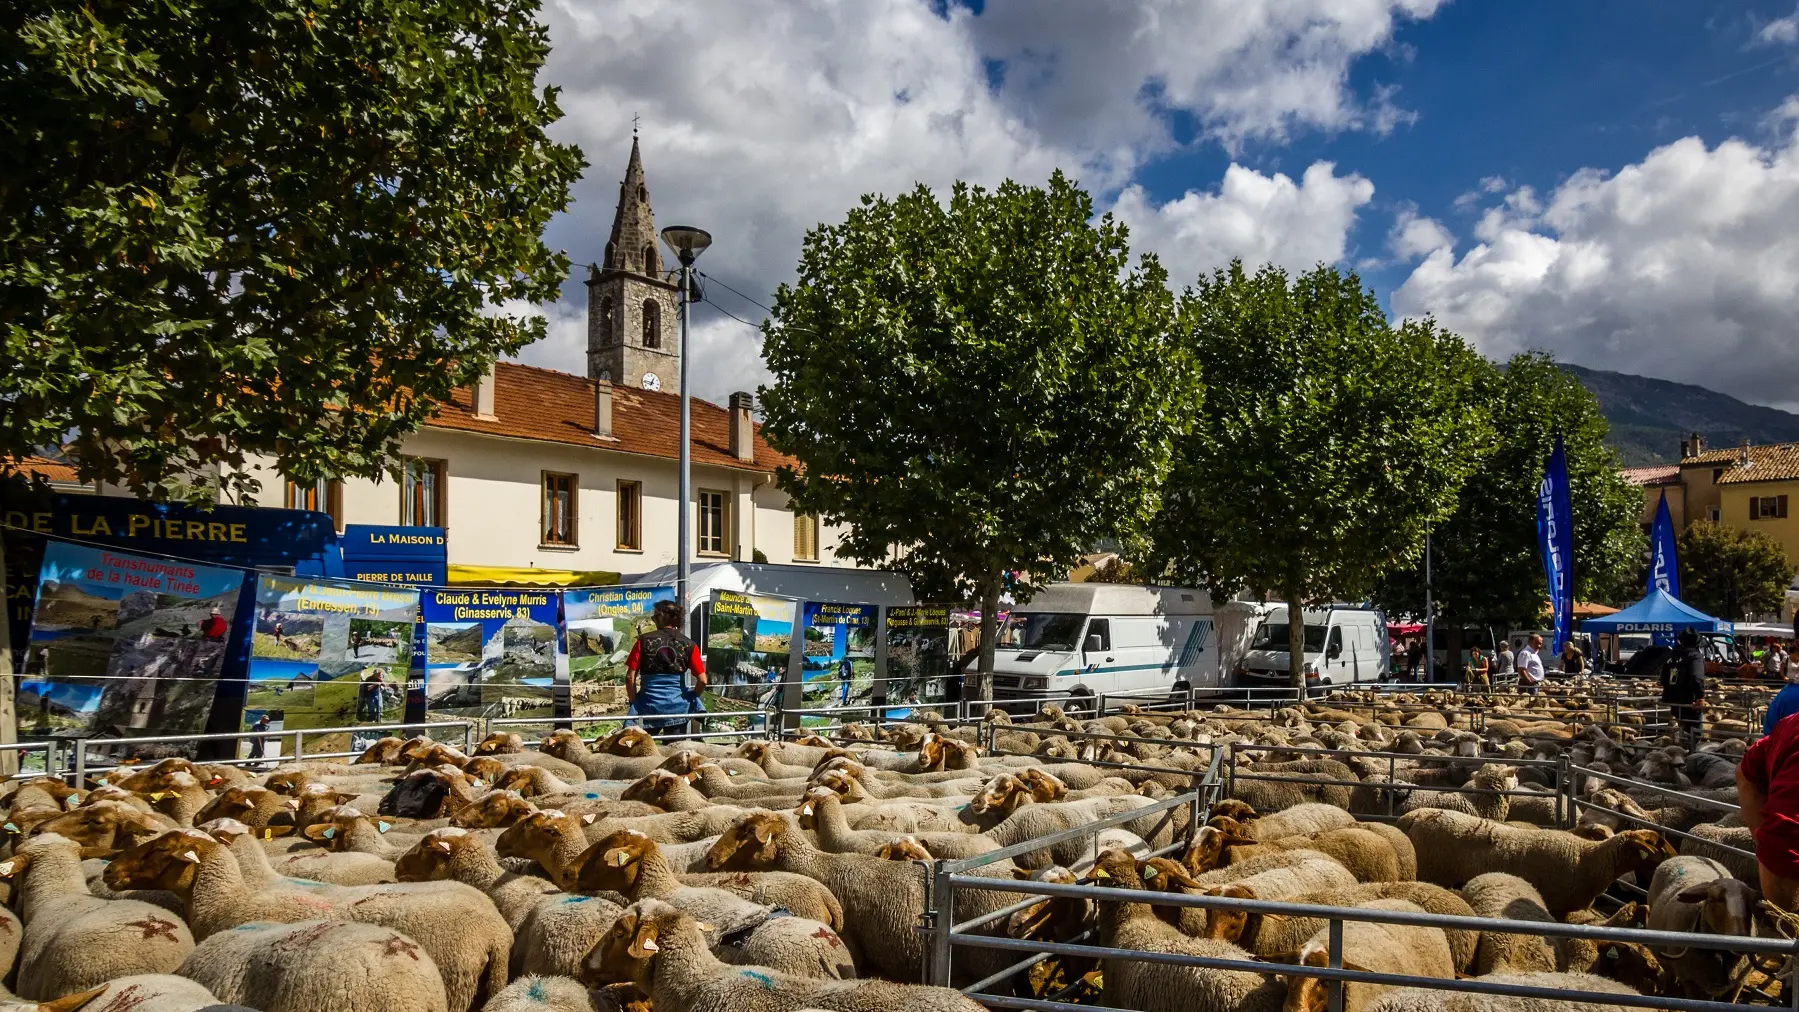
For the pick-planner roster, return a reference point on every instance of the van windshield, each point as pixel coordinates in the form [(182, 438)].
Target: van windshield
[(1041, 630), (1274, 637)]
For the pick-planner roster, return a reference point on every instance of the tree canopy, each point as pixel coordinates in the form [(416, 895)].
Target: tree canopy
[(1485, 563), (1731, 573), (1329, 442), (278, 228), (975, 386)]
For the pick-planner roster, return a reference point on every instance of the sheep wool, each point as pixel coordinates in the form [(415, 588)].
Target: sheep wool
[(1569, 871), (664, 952), (151, 992), (1379, 948), (534, 993), (1510, 898), (75, 941), (1430, 999), (339, 965)]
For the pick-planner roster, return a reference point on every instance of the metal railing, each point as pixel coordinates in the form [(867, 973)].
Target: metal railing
[(938, 919), (78, 763), (1334, 973)]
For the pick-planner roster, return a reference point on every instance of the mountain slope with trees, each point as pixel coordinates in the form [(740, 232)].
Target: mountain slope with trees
[(1650, 416)]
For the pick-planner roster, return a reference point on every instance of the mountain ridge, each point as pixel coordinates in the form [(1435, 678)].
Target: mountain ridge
[(1649, 417)]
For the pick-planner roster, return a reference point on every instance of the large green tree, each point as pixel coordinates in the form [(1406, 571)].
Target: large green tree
[(1485, 565), (277, 228), (1732, 573), (1330, 440), (975, 386)]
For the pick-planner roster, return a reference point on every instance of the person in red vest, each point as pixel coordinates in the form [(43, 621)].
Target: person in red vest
[(1768, 791), (215, 627)]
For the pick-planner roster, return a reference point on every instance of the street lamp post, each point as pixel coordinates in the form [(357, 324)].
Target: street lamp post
[(688, 243)]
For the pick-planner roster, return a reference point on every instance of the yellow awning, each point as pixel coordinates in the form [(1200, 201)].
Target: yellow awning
[(527, 576)]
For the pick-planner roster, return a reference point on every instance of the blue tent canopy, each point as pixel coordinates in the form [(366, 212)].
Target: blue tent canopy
[(1660, 612)]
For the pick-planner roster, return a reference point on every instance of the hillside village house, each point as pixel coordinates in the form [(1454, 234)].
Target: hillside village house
[(534, 468), (1744, 487)]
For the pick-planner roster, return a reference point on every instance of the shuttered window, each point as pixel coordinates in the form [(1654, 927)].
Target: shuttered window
[(559, 509), (713, 520), (1767, 507), (630, 516), (805, 538)]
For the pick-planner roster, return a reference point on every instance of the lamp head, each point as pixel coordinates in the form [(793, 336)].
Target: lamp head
[(687, 242)]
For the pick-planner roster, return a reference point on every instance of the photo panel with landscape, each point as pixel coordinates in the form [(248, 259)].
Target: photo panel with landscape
[(328, 653), (918, 660), (748, 641), (600, 626), (838, 666), (491, 652), (125, 644)]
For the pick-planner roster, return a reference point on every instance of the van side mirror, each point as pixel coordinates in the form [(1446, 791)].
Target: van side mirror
[(1092, 646)]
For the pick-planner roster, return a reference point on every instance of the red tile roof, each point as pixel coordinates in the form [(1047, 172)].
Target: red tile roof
[(1779, 462), (52, 470), (1660, 474), (534, 403)]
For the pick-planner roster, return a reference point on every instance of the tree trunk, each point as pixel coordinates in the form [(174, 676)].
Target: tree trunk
[(981, 686), (9, 722), (1296, 644)]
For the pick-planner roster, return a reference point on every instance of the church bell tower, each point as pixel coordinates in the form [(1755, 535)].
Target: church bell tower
[(633, 326)]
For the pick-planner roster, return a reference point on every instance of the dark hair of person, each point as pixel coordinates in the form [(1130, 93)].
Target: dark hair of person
[(667, 615)]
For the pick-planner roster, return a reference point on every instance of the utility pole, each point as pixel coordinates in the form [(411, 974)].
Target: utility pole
[(1430, 619)]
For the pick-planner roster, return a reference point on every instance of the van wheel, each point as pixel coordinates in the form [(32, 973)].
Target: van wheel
[(1178, 695), (1082, 704)]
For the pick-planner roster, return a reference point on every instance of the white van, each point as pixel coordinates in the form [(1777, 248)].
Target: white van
[(1085, 639), (1343, 645)]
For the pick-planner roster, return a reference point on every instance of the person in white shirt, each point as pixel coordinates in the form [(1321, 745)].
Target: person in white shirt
[(1530, 666), (1774, 662)]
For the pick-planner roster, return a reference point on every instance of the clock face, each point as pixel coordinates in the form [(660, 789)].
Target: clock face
[(651, 381)]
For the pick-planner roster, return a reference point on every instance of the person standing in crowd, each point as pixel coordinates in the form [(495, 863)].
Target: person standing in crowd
[(1573, 662), (1774, 662), (1414, 659), (1504, 660), (1530, 666), (1478, 667), (1768, 791), (665, 673), (1683, 686), (1784, 703)]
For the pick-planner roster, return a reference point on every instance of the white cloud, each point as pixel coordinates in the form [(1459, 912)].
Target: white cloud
[(1684, 265), (1781, 29), (1247, 69), (1253, 216), (762, 118), (1414, 235)]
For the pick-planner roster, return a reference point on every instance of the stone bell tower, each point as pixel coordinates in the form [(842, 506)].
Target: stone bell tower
[(633, 330)]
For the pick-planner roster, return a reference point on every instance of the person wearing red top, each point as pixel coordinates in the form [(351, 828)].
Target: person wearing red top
[(1768, 791), (665, 673), (215, 627)]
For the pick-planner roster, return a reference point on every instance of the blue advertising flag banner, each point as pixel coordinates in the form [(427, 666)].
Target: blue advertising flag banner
[(328, 653), (492, 652), (1664, 568), (125, 643), (1555, 536), (1664, 564), (410, 556)]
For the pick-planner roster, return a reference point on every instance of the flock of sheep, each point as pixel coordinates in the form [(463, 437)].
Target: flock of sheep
[(763, 876)]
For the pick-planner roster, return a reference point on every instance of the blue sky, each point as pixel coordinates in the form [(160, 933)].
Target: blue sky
[(1614, 181)]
